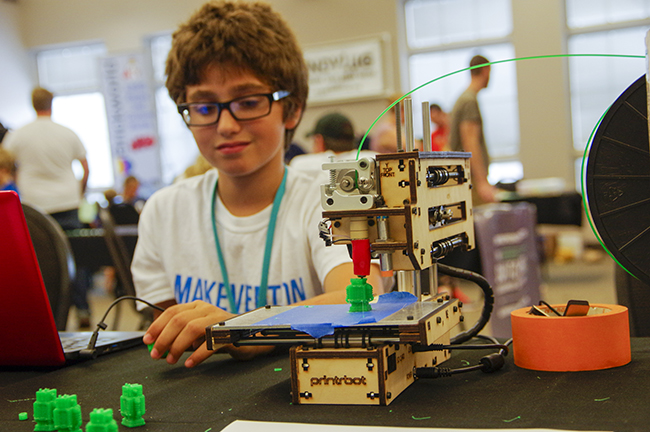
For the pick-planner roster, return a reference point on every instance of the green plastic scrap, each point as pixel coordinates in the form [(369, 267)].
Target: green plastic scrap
[(132, 405), (101, 420), (67, 414), (44, 410)]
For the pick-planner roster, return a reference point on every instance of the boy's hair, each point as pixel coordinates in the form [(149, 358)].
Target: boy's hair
[(7, 160), (42, 99), (246, 36), (476, 61)]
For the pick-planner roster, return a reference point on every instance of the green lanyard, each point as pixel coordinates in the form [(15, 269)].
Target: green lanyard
[(270, 232)]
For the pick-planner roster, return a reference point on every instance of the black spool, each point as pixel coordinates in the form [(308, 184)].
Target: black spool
[(617, 181)]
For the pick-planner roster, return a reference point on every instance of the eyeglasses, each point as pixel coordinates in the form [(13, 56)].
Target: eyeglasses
[(243, 108)]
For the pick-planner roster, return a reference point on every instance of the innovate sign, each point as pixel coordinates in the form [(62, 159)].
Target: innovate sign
[(345, 71)]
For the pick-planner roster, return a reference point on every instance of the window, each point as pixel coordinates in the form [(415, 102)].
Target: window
[(442, 36), (596, 82), (602, 27), (85, 113), (592, 13), (70, 69), (498, 102), (72, 74), (178, 149), (432, 23)]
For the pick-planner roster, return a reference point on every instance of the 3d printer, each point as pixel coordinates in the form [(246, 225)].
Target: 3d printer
[(408, 209)]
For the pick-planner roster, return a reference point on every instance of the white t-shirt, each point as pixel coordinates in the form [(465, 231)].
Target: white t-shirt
[(176, 256), (44, 153)]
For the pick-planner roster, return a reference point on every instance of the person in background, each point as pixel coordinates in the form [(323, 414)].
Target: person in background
[(237, 74), (44, 152), (7, 171), (199, 167), (383, 136), (110, 195), (130, 193), (466, 133), (440, 136), (125, 208), (334, 138)]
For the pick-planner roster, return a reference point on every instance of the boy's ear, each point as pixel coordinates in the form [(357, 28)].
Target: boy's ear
[(292, 120)]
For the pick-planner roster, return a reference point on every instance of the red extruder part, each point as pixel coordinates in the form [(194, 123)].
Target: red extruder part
[(361, 257)]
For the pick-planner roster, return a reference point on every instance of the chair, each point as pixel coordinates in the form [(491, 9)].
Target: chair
[(124, 214), (121, 258), (55, 260)]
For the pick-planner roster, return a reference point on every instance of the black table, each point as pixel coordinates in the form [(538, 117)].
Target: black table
[(562, 209), (89, 246), (222, 390)]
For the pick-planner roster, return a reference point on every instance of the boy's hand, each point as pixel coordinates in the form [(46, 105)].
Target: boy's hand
[(183, 326)]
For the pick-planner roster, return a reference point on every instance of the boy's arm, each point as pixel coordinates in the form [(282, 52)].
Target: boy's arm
[(181, 326)]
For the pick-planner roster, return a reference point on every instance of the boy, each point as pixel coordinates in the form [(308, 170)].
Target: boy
[(238, 76)]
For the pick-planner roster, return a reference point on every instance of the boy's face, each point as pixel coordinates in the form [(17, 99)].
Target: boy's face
[(239, 148)]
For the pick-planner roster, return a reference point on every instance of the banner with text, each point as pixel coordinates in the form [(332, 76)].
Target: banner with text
[(345, 71), (131, 121), (506, 238)]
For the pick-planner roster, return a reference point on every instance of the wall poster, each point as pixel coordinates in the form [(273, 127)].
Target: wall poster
[(347, 70), (132, 123)]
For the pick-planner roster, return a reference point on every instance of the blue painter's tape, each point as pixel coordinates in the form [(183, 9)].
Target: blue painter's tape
[(397, 297), (321, 320)]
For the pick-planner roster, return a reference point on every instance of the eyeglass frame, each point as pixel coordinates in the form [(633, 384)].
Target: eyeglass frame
[(272, 97)]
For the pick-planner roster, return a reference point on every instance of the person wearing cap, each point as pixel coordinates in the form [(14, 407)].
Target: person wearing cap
[(333, 136)]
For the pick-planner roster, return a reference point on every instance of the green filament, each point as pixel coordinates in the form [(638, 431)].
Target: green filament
[(587, 147)]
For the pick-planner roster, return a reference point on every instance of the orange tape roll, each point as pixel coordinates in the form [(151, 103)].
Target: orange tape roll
[(600, 340)]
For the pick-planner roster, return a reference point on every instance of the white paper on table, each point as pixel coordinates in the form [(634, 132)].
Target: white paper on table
[(252, 426)]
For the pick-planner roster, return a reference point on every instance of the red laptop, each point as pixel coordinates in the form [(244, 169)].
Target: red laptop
[(28, 335)]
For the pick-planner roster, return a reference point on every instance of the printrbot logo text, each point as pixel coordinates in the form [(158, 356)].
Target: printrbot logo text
[(336, 380)]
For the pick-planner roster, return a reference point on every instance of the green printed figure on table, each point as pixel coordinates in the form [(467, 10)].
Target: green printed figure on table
[(101, 420), (44, 409), (67, 414), (132, 405), (359, 295)]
